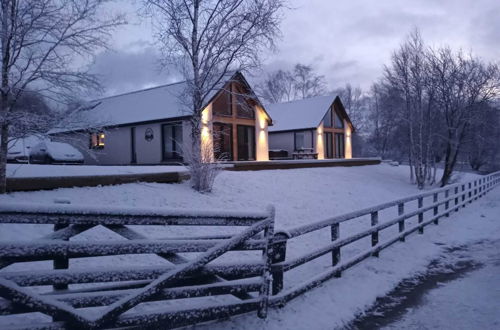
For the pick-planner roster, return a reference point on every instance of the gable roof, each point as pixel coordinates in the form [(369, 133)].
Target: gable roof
[(151, 104), (303, 114)]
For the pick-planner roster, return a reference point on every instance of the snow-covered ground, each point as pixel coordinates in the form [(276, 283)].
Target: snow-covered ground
[(300, 196), (32, 170), (471, 301)]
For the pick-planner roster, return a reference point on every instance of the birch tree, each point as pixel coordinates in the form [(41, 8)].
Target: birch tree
[(463, 85), (205, 40), (288, 85), (41, 43)]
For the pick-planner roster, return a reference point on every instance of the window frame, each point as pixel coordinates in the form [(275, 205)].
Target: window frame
[(175, 145), (97, 140)]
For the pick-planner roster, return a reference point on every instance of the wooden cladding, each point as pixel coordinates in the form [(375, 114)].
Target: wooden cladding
[(233, 113), (234, 100)]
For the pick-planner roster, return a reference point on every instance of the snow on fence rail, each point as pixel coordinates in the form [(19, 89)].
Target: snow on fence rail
[(429, 208), (117, 290)]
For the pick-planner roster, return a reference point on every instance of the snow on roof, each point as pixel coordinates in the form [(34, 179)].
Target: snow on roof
[(156, 103), (306, 113)]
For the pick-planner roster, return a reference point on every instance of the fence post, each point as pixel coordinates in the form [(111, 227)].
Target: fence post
[(278, 255), (60, 262), (335, 231), (401, 211), (374, 218), (470, 192), (421, 214), (447, 202), (456, 198), (463, 195), (436, 208), (475, 189)]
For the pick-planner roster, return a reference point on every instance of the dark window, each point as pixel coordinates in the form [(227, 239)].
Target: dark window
[(222, 104), (133, 159), (299, 140), (172, 141), (223, 141), (339, 123), (339, 145), (328, 145), (246, 142), (303, 140), (327, 120)]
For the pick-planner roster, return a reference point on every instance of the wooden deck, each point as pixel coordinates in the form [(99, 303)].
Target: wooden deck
[(51, 182), (43, 183), (302, 163)]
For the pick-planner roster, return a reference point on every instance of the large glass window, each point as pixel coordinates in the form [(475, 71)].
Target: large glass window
[(299, 140), (328, 145), (327, 120), (244, 103), (223, 141), (339, 145), (339, 123), (172, 141), (246, 142), (222, 104)]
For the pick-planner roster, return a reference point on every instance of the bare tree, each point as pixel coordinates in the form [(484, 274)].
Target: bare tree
[(278, 87), (289, 85), (463, 84), (206, 39), (307, 83), (41, 41), (440, 100), (482, 143), (355, 103), (407, 76)]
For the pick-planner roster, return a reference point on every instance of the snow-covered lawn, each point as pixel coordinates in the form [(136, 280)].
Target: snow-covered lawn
[(32, 170), (300, 196)]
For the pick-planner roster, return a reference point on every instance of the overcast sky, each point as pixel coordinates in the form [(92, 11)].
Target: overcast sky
[(346, 41)]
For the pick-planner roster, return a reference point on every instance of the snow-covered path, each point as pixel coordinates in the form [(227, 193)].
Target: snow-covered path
[(470, 302)]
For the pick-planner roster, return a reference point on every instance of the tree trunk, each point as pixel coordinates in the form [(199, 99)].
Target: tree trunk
[(4, 133)]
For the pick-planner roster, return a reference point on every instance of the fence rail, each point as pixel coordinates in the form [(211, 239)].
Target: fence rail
[(430, 207), (118, 289)]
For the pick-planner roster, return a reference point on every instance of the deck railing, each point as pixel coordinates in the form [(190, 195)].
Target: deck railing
[(418, 211)]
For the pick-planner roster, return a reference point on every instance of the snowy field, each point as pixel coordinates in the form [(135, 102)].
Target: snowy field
[(300, 196), (32, 170)]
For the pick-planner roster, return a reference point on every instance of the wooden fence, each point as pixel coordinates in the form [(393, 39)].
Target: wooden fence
[(106, 295), (423, 209), (119, 292)]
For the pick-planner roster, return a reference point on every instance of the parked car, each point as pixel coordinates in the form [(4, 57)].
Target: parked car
[(49, 152), (19, 149)]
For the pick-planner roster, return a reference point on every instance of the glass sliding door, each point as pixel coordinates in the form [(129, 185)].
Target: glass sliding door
[(328, 145), (246, 142), (339, 145), (223, 141), (172, 141)]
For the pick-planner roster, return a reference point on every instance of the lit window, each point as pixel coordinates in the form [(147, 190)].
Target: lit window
[(97, 140)]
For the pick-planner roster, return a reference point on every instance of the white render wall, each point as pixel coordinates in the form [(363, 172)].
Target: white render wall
[(286, 140), (117, 144)]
